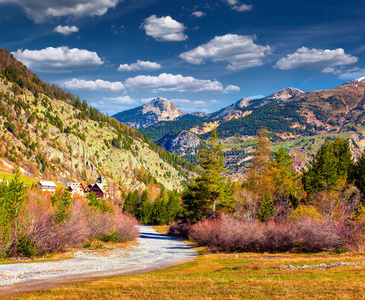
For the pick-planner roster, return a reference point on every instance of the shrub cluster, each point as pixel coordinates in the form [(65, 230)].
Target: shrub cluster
[(46, 225), (304, 235)]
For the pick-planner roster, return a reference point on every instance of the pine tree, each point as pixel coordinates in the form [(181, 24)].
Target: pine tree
[(359, 174), (330, 168), (259, 177), (206, 193), (212, 162), (284, 177), (267, 208)]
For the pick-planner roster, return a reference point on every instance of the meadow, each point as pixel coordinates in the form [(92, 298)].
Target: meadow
[(228, 276)]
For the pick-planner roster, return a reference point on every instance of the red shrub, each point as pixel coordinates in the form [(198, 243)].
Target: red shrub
[(308, 235), (318, 235), (126, 225), (180, 228)]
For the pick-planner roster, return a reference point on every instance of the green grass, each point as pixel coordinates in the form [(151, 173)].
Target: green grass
[(228, 276), (28, 181)]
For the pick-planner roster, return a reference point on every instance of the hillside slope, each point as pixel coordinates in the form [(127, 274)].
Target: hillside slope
[(52, 134)]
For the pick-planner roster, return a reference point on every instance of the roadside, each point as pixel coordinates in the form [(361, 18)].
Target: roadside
[(153, 251)]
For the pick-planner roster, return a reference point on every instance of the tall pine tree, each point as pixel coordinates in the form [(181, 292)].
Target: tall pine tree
[(206, 193)]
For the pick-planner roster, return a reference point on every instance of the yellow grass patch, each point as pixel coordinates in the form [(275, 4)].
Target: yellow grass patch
[(229, 276)]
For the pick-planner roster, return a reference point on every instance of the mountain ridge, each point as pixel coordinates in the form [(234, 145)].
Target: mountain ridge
[(53, 134)]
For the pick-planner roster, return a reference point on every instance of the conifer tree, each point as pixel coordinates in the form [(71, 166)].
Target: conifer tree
[(259, 177), (283, 175), (205, 194), (330, 168), (267, 208)]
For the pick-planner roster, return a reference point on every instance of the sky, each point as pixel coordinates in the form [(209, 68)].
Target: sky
[(201, 55)]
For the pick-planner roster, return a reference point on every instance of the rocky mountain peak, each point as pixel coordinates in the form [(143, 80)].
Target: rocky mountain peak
[(163, 109), (285, 94)]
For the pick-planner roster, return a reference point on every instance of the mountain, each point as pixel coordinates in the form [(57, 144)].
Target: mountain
[(291, 117), (183, 143), (150, 113), (52, 134)]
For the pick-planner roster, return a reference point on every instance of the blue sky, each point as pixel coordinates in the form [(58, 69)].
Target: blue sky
[(201, 55)]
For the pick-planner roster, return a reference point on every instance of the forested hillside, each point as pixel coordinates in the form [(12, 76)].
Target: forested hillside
[(53, 134)]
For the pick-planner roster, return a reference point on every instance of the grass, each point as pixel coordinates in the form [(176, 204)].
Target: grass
[(28, 181), (228, 276)]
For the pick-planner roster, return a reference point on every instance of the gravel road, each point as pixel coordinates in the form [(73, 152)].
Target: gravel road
[(153, 251)]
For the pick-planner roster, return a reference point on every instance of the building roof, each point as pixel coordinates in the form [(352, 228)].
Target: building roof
[(74, 185), (47, 183)]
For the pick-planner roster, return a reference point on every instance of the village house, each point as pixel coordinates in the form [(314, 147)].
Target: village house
[(100, 190), (47, 186), (76, 189)]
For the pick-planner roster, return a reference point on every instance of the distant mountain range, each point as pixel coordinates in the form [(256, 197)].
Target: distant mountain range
[(286, 114)]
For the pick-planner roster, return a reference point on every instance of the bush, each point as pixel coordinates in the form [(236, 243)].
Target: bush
[(180, 228), (307, 235), (318, 235), (303, 211), (26, 246)]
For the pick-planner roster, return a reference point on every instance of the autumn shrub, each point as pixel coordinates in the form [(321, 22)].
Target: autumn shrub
[(303, 211), (126, 226), (278, 237), (180, 228), (45, 225), (206, 233), (305, 235), (313, 235)]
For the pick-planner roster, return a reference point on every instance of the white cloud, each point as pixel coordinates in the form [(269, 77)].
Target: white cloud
[(42, 10), (239, 51), (58, 60), (315, 59), (231, 89), (236, 5), (140, 65), (242, 7), (353, 73), (97, 85), (124, 100), (329, 70), (66, 30), (198, 14), (164, 29), (176, 83)]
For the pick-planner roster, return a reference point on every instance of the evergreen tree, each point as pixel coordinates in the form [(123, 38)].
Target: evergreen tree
[(259, 176), (205, 194), (132, 202), (284, 177), (359, 174), (145, 209), (212, 162), (267, 208), (330, 168)]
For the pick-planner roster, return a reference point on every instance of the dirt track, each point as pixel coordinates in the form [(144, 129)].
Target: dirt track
[(154, 251)]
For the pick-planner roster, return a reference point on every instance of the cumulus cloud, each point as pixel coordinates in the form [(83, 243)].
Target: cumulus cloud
[(231, 89), (315, 59), (239, 51), (66, 30), (164, 29), (97, 85), (353, 73), (176, 83), (236, 5), (198, 14), (58, 60), (42, 10), (140, 65)]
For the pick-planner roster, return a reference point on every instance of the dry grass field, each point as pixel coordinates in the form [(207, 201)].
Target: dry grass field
[(228, 276)]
